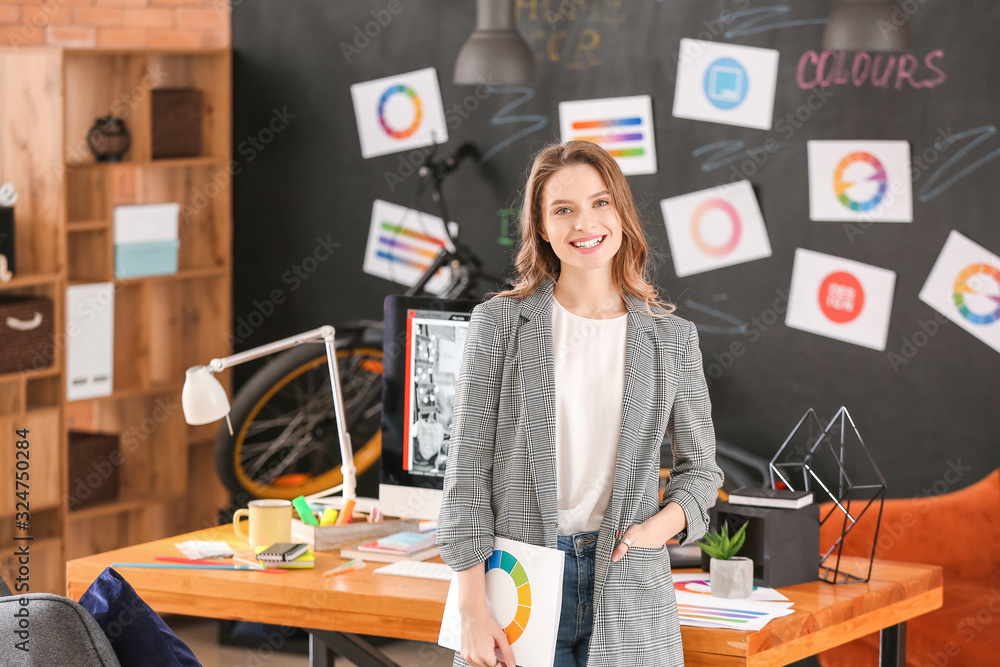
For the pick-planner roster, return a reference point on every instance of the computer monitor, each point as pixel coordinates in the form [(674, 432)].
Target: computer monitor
[(422, 354)]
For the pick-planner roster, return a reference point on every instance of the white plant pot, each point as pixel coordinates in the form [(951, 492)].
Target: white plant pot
[(731, 578)]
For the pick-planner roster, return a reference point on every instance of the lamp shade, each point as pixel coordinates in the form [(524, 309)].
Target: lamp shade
[(866, 25), (495, 53), (203, 399)]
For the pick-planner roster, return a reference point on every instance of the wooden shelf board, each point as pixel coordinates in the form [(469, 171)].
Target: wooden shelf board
[(207, 272), (130, 392), (87, 225), (49, 371), (179, 51), (200, 161), (29, 280)]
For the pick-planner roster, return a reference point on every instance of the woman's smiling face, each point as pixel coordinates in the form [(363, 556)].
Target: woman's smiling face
[(577, 213)]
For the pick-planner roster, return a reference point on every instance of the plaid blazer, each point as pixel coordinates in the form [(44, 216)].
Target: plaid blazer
[(501, 473)]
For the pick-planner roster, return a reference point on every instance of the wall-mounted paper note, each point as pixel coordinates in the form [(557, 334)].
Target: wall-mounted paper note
[(964, 286), (399, 112), (860, 181), (524, 595), (840, 298), (623, 126), (402, 244), (725, 83), (713, 228)]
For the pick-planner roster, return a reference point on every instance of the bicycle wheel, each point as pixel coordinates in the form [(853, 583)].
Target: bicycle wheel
[(286, 442)]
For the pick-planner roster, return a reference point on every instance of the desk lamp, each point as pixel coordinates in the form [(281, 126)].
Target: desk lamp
[(205, 401)]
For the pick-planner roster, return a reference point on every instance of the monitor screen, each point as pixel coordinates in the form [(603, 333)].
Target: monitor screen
[(422, 355)]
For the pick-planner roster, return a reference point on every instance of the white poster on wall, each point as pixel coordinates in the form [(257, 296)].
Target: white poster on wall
[(402, 244), (726, 83), (860, 181), (840, 298), (399, 112), (713, 228), (623, 126), (964, 286)]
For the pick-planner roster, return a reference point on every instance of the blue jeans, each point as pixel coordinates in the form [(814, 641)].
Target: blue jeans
[(576, 620)]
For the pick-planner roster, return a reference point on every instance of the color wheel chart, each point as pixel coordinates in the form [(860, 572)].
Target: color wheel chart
[(978, 285), (841, 185), (505, 561), (623, 126)]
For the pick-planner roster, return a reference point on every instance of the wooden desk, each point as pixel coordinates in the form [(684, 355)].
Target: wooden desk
[(364, 603)]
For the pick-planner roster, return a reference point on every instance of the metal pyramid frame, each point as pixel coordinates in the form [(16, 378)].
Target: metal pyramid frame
[(832, 438)]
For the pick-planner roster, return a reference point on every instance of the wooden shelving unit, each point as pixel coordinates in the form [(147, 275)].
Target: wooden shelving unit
[(49, 99)]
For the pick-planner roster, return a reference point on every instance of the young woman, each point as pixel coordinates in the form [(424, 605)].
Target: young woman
[(568, 383)]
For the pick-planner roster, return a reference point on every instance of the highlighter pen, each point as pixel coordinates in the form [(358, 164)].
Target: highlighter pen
[(351, 566), (345, 514)]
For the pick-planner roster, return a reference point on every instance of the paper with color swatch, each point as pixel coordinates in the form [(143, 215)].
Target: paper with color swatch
[(402, 244), (713, 228), (726, 83), (860, 181), (964, 286), (623, 126), (840, 298), (399, 113), (524, 595)]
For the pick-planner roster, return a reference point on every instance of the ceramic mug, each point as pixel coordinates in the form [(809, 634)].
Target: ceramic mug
[(270, 522)]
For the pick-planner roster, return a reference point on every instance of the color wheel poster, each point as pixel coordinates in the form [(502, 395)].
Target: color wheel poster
[(860, 181), (726, 83), (840, 298), (402, 244), (524, 595), (964, 286), (623, 126), (713, 228), (399, 113)]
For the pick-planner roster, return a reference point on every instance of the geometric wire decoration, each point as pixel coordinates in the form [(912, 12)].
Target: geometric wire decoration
[(814, 456)]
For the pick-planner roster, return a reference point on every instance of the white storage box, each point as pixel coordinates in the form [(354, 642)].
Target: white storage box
[(146, 223)]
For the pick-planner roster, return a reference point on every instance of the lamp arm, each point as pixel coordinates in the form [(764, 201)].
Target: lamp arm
[(316, 335), (325, 334)]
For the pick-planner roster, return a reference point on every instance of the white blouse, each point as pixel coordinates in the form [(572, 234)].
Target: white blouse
[(589, 361)]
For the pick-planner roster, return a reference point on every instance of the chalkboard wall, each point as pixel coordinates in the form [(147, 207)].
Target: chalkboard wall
[(303, 193)]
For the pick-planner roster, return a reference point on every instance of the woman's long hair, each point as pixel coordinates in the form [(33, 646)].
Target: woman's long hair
[(536, 260)]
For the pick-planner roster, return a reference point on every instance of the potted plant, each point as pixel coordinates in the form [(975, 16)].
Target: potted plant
[(731, 576)]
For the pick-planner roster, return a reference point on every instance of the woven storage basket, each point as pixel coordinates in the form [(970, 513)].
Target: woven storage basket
[(177, 121), (94, 466), (25, 333)]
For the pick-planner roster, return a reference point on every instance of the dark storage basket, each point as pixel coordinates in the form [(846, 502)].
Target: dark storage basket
[(177, 121), (25, 333), (94, 466)]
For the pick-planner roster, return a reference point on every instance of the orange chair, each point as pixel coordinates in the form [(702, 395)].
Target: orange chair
[(959, 531)]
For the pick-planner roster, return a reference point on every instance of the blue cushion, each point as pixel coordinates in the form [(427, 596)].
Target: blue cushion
[(138, 635)]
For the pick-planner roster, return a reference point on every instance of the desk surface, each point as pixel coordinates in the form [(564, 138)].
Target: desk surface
[(361, 602)]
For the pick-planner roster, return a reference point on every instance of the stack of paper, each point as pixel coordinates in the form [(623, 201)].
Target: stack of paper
[(696, 605)]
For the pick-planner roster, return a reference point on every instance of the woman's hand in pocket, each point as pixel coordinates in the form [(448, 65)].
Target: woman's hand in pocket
[(638, 535), (483, 640)]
